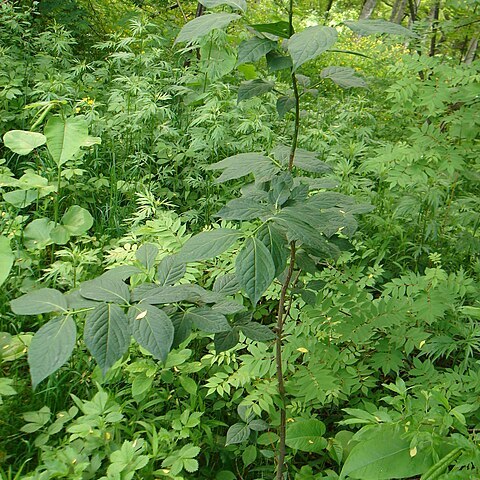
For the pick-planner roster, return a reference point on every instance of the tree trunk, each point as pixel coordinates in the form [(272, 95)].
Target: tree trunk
[(398, 11), (434, 15), (327, 11), (471, 50), (367, 9)]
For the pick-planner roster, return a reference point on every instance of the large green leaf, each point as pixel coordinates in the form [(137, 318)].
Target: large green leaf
[(306, 435), (384, 455), (242, 164), (279, 29), (170, 271), (51, 347), (152, 329), (107, 334), (226, 284), (208, 320), (20, 198), (255, 269), (206, 245), (37, 234), (77, 220), (237, 433), (344, 77), (200, 26), (147, 255), (6, 258), (224, 341), (249, 51), (65, 137), (244, 209), (45, 300), (253, 88), (256, 331), (303, 159), (310, 43), (276, 61), (23, 142), (285, 104), (274, 239), (236, 4), (106, 289), (378, 26)]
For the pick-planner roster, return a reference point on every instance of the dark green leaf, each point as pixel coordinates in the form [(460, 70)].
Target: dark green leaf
[(152, 329), (51, 347), (107, 334), (154, 295), (226, 284), (255, 269), (344, 77), (236, 4), (225, 340), (208, 320), (106, 289), (379, 26), (257, 331), (253, 88), (249, 51), (206, 245), (276, 62), (284, 105), (276, 243), (310, 43), (280, 29), (303, 159), (170, 271), (237, 433), (244, 209), (200, 26), (258, 425), (306, 435), (280, 189), (75, 301), (146, 255), (45, 300), (183, 328), (121, 273)]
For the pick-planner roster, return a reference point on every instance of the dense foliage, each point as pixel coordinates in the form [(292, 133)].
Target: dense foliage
[(239, 240)]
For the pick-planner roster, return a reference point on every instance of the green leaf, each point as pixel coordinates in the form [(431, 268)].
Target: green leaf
[(244, 209), (106, 289), (37, 234), (206, 245), (280, 29), (152, 329), (276, 62), (310, 43), (255, 269), (51, 347), (208, 320), (237, 433), (306, 435), (385, 454), (77, 220), (258, 425), (303, 159), (276, 243), (253, 88), (200, 26), (6, 258), (242, 164), (224, 341), (344, 77), (45, 300), (23, 142), (249, 51), (107, 334), (236, 4), (170, 271), (60, 235), (257, 331), (147, 255), (65, 137), (121, 273), (226, 284), (379, 26), (20, 198), (284, 105)]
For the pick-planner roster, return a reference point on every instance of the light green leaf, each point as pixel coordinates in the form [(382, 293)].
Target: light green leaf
[(208, 320), (253, 88), (60, 235), (65, 137), (152, 329), (306, 435), (255, 269), (384, 455), (310, 43), (37, 234), (106, 289), (107, 334), (20, 198), (249, 51), (206, 245), (379, 26), (237, 433), (23, 142), (244, 209), (147, 255), (44, 300), (236, 4), (51, 347), (170, 271), (344, 77), (77, 220), (6, 258), (200, 26)]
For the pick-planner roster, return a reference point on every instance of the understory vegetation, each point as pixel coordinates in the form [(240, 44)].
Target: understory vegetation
[(239, 240)]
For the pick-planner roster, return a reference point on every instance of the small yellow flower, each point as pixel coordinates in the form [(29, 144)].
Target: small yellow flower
[(302, 350), (77, 110), (91, 102)]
